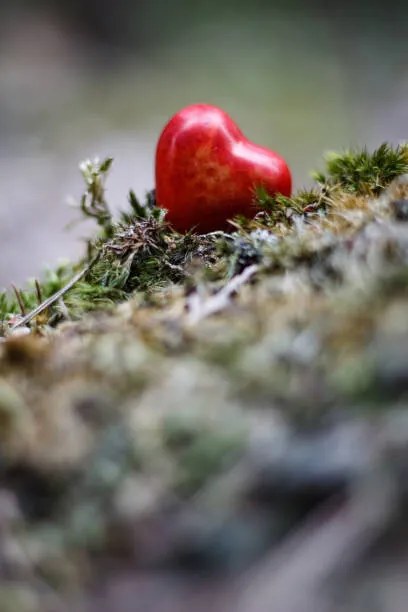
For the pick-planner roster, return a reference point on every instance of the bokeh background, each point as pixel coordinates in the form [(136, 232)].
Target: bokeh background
[(92, 78)]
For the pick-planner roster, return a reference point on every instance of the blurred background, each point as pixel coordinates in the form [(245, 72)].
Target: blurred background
[(92, 78)]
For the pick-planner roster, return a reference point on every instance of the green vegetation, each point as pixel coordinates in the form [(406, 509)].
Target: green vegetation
[(364, 172), (168, 409), (140, 253)]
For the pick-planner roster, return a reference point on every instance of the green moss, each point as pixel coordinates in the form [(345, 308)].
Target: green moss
[(281, 209), (28, 298), (88, 296), (141, 253), (364, 172)]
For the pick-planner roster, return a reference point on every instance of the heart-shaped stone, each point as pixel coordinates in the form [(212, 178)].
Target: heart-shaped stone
[(207, 170)]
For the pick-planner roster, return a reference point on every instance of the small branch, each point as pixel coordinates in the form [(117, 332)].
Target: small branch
[(57, 296), (199, 309)]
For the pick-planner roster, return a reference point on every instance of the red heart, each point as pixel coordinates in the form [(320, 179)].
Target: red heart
[(206, 170)]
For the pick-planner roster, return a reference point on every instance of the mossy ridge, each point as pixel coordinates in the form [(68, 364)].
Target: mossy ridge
[(136, 413), (141, 253)]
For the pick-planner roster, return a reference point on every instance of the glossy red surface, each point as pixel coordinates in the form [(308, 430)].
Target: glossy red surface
[(207, 170)]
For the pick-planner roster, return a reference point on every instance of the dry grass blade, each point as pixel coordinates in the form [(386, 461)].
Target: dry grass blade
[(19, 299), (200, 309)]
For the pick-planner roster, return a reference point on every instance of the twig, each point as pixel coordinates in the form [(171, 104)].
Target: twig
[(200, 309), (54, 298)]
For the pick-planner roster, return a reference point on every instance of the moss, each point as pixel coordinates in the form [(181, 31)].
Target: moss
[(14, 413), (141, 253), (53, 280), (364, 172), (143, 399), (207, 455), (17, 597), (282, 209)]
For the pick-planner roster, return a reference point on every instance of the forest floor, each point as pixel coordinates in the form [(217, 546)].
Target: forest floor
[(195, 421)]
